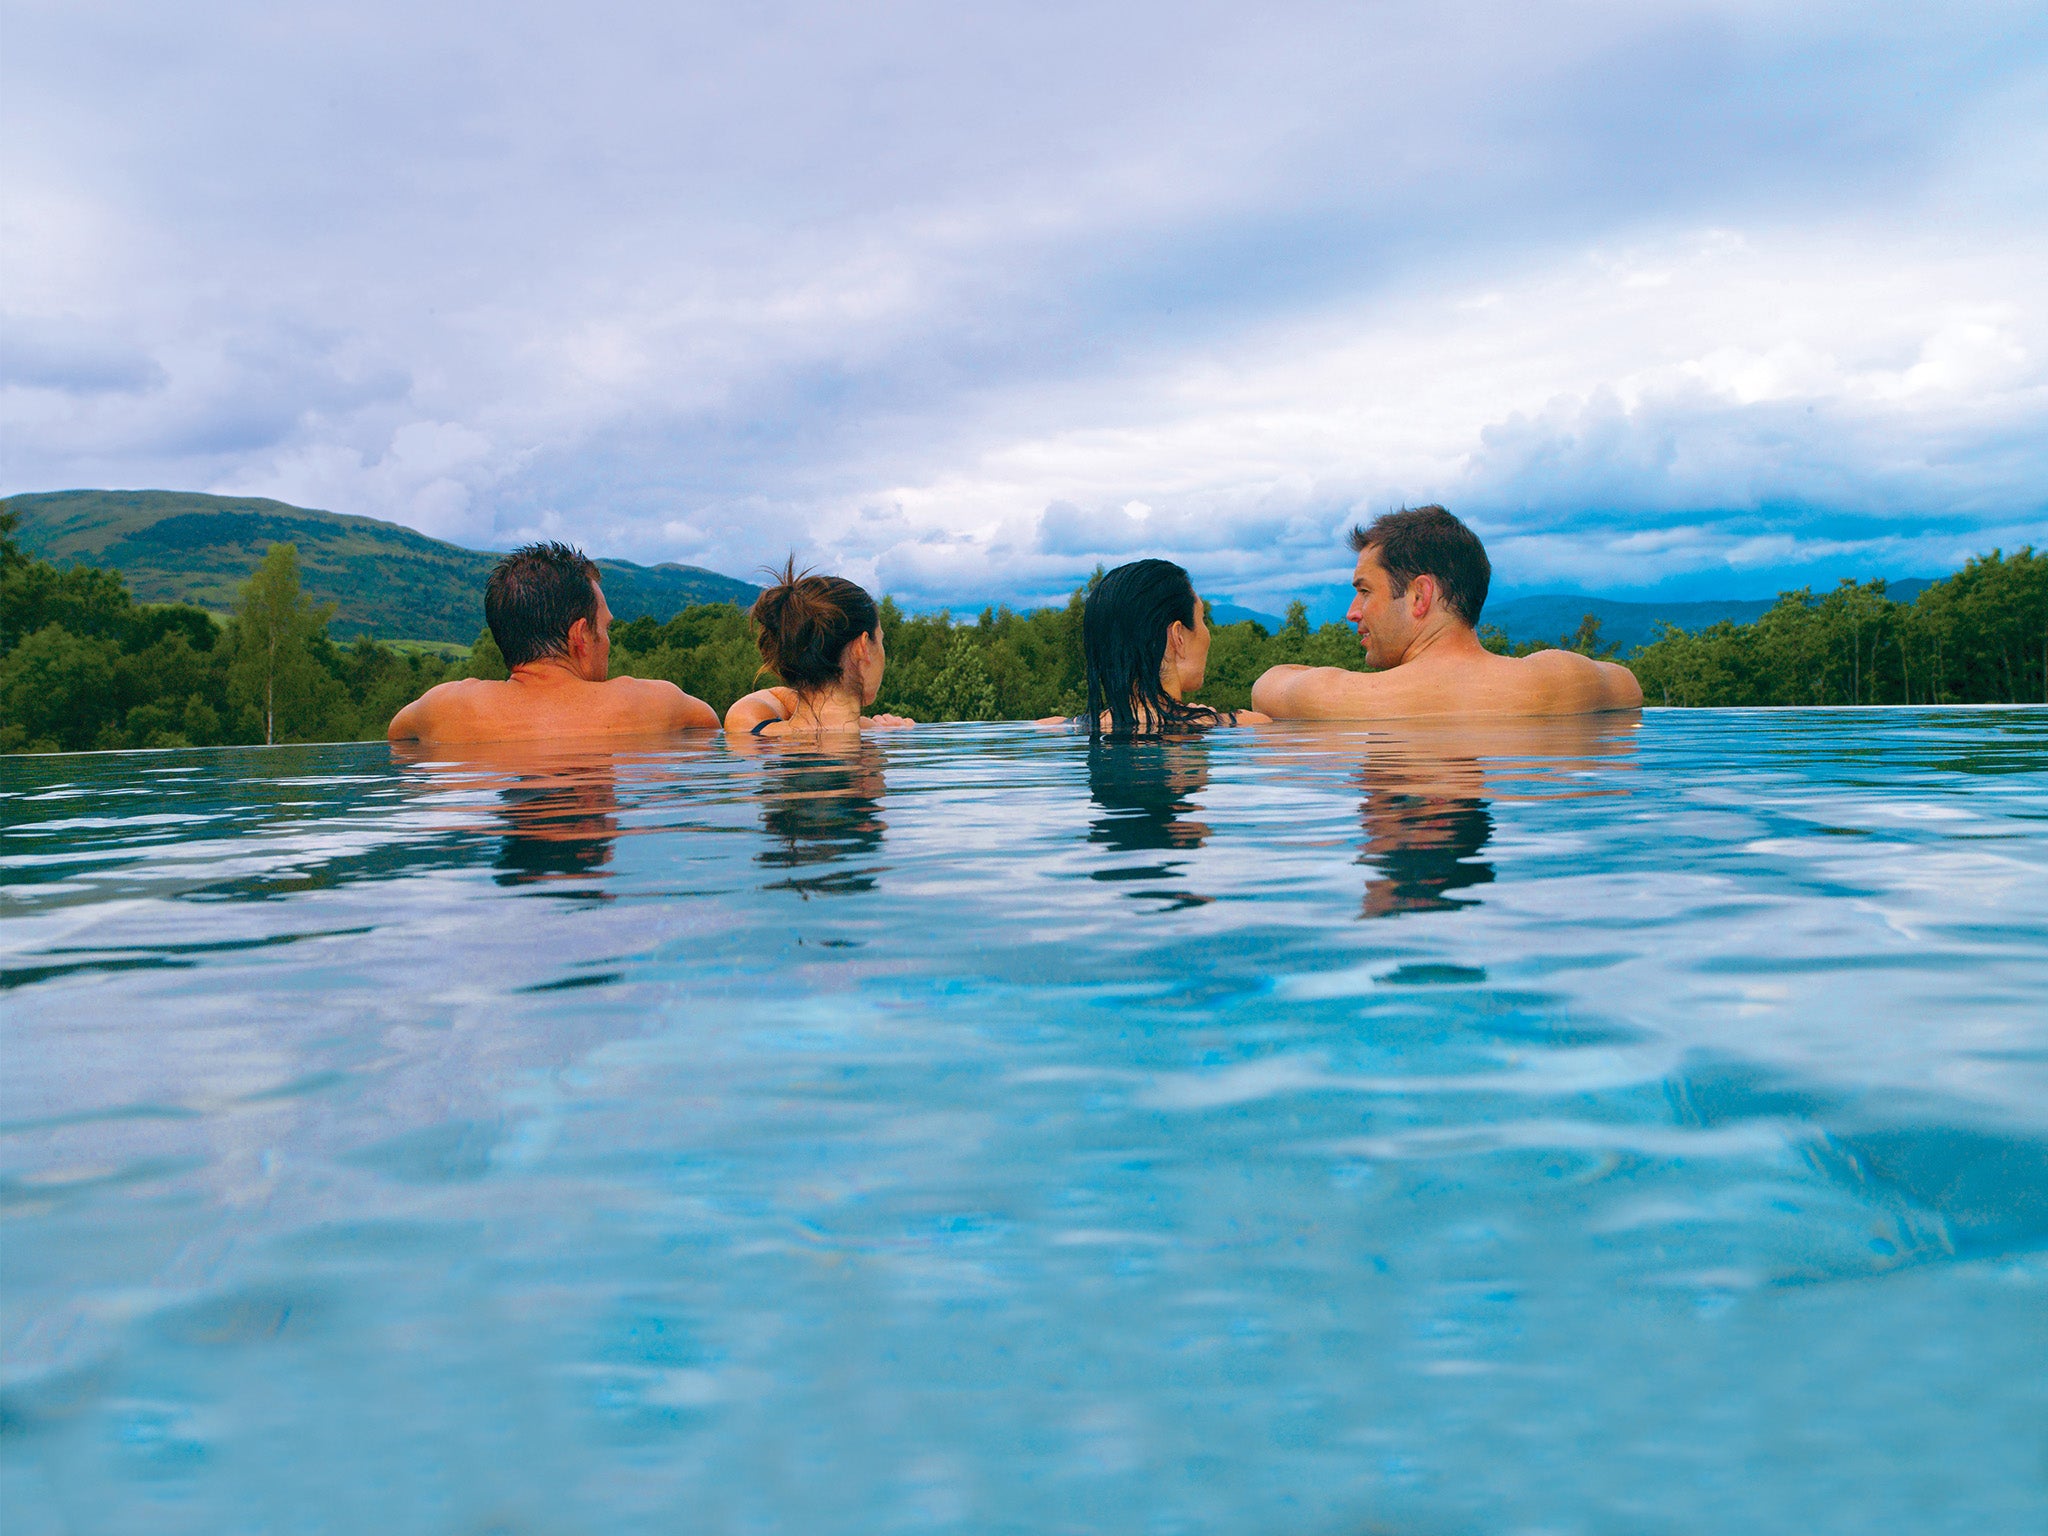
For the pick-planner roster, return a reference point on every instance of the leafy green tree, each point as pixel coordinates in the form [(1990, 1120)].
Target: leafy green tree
[(485, 659), (1978, 637), (57, 692), (961, 688), (707, 649), (272, 647)]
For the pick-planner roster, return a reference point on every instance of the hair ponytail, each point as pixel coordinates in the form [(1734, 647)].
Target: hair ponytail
[(804, 623)]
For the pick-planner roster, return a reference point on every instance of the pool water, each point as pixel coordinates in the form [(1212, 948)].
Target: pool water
[(1596, 1126)]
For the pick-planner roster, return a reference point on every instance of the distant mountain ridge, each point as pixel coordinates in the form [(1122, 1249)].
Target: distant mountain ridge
[(1550, 616), (384, 579)]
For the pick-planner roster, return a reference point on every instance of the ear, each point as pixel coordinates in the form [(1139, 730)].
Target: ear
[(1423, 596)]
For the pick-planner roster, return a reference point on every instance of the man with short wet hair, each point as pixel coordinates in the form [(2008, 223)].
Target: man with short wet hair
[(547, 613), (1418, 588)]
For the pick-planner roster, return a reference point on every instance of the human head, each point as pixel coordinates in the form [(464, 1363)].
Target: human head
[(543, 602), (1141, 629), (820, 633), (1417, 568)]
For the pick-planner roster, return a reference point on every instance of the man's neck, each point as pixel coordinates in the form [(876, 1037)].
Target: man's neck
[(548, 672), (1446, 641)]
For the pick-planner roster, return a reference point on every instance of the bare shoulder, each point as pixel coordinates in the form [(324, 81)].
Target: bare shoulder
[(1581, 682), (763, 704), (1290, 692), (662, 701), (1624, 690), (458, 697)]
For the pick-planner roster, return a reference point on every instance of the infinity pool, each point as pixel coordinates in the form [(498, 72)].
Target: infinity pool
[(1594, 1127)]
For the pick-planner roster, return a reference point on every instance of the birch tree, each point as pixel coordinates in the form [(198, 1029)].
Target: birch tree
[(274, 625)]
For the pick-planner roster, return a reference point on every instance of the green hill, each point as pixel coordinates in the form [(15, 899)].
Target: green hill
[(384, 580)]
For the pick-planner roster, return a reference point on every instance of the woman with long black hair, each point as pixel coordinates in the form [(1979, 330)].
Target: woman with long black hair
[(1146, 643)]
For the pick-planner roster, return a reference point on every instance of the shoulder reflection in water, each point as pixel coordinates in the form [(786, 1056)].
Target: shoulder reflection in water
[(1144, 789), (821, 809), (1427, 806), (555, 808), (560, 830)]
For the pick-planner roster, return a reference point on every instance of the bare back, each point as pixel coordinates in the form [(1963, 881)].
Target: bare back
[(1451, 681), (546, 704)]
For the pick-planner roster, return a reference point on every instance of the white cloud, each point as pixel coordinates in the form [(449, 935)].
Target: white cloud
[(946, 295)]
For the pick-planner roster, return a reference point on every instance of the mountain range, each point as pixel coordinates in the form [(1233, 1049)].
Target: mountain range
[(1550, 616), (394, 583), (384, 580)]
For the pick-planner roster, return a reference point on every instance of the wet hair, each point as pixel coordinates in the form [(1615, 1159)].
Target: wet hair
[(804, 623), (1428, 541), (1123, 639), (534, 595)]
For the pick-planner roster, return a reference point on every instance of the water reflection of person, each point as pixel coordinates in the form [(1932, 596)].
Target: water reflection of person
[(822, 812), (1429, 793), (1424, 832), (560, 828), (555, 809), (1144, 791)]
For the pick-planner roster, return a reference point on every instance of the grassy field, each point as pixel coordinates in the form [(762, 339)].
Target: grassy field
[(384, 580)]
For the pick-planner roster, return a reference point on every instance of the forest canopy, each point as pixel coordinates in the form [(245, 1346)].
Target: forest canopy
[(83, 666)]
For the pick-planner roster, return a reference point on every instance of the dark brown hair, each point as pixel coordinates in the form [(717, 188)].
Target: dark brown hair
[(804, 623), (1428, 541), (534, 595)]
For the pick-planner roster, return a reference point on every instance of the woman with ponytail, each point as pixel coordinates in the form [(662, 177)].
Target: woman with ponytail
[(1146, 643), (822, 636)]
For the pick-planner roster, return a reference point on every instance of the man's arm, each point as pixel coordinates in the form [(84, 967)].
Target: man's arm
[(1291, 692)]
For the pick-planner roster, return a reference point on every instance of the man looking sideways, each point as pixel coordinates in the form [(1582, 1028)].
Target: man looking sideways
[(548, 615), (1418, 588)]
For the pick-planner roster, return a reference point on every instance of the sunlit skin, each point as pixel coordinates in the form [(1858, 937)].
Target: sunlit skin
[(560, 697), (1429, 662), (830, 710)]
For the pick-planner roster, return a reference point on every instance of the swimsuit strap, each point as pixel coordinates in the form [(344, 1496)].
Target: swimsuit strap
[(763, 725)]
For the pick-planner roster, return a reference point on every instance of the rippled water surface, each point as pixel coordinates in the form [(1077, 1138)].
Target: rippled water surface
[(1596, 1127)]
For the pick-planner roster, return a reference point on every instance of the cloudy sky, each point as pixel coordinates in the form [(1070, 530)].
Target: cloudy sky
[(1692, 299)]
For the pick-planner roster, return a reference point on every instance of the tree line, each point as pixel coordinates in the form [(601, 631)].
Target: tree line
[(84, 667), (1977, 637)]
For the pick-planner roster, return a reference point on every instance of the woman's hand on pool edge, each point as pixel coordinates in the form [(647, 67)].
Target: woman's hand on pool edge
[(887, 722)]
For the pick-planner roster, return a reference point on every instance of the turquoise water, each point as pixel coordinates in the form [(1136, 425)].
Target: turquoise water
[(1594, 1127)]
